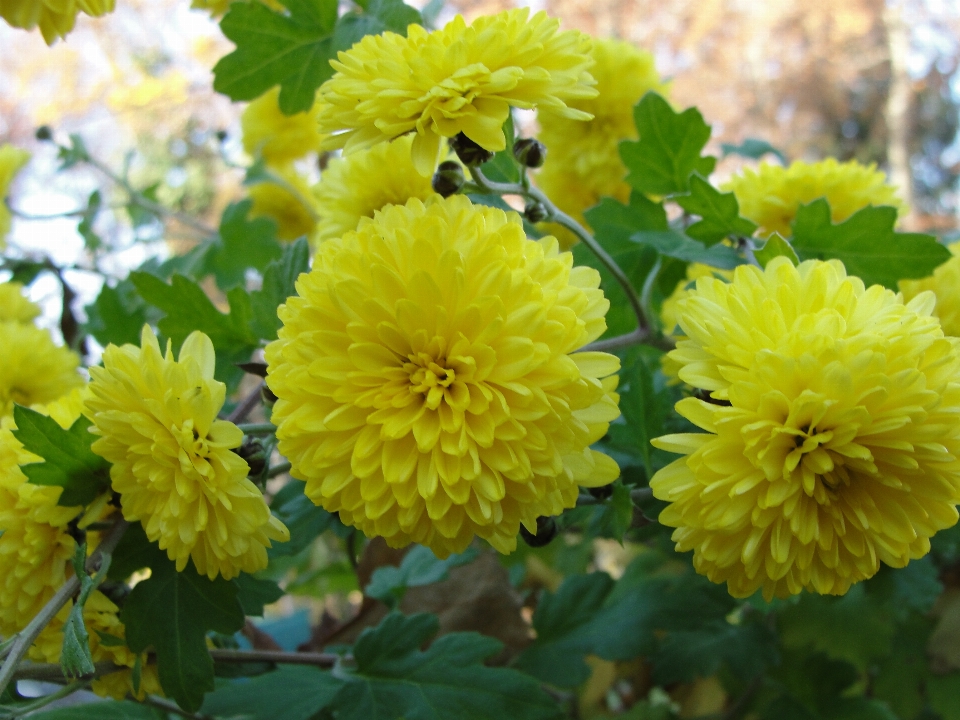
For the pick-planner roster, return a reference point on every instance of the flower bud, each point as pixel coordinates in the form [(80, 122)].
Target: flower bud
[(535, 212), (253, 452), (44, 132), (468, 151), (530, 152), (602, 492), (448, 178), (546, 531)]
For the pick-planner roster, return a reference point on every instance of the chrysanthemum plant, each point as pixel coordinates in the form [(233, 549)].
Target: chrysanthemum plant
[(705, 463)]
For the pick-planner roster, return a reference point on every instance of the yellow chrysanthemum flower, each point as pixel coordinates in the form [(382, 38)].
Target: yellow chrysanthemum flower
[(14, 307), (33, 370), (945, 284), (832, 443), (358, 185), (11, 160), (172, 464), (429, 383), (289, 202), (216, 8), (458, 79), (276, 137), (583, 158), (771, 195), (56, 18)]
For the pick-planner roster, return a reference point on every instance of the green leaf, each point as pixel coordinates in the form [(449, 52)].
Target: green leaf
[(943, 692), (867, 244), (243, 244), (72, 154), (117, 315), (293, 51), (907, 590), (69, 461), (253, 593), (644, 407), (172, 612), (719, 213), (679, 246), (419, 567), (377, 16), (134, 552), (91, 241), (668, 151), (188, 308), (394, 679), (775, 246), (75, 657), (279, 283), (139, 215), (612, 518), (304, 519), (111, 710), (503, 167), (615, 222), (752, 148), (288, 693), (683, 655), (900, 677)]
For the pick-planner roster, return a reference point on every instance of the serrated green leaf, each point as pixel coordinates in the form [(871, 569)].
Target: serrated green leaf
[(419, 567), (139, 215), (134, 552), (612, 518), (243, 244), (394, 679), (683, 655), (377, 16), (907, 590), (719, 213), (668, 151), (676, 245), (644, 407), (75, 657), (900, 678), (288, 693), (172, 612), (304, 519), (292, 50), (279, 283), (69, 462), (253, 593), (775, 246), (117, 315), (615, 222), (752, 148), (73, 153), (867, 244), (111, 710), (91, 241)]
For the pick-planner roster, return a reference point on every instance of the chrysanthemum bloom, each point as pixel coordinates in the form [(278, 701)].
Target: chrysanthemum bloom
[(458, 79), (772, 194), (11, 160), (14, 307), (429, 383), (945, 284), (358, 185), (832, 439), (56, 18), (276, 137), (289, 202), (33, 370), (172, 459), (583, 158)]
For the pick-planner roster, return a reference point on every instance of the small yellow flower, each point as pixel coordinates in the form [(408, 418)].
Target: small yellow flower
[(831, 439), (14, 307), (583, 158), (56, 18), (945, 284), (430, 382), (33, 370), (276, 137), (11, 160), (288, 201), (458, 79), (172, 460), (772, 194), (358, 185)]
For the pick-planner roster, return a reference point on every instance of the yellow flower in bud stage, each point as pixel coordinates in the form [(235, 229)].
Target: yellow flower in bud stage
[(945, 284), (832, 442), (358, 185), (33, 370), (276, 137), (172, 460), (11, 160), (429, 381), (583, 158), (14, 307), (458, 79), (772, 194), (288, 202), (56, 18)]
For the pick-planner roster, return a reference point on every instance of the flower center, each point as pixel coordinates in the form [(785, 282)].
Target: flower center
[(429, 377), (190, 439)]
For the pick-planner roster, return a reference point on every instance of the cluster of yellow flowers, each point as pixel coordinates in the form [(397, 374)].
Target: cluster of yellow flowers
[(56, 18)]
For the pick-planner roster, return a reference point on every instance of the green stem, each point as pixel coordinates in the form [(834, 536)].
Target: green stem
[(21, 710), (279, 469), (257, 428)]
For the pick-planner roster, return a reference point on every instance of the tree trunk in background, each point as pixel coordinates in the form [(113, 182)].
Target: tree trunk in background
[(898, 106)]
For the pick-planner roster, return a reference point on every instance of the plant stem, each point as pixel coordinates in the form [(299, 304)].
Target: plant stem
[(245, 406), (636, 495), (257, 428), (172, 707), (321, 660), (52, 672), (26, 637), (21, 710), (279, 469)]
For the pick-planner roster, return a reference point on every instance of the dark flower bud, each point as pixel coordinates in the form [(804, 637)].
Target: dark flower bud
[(44, 132), (535, 212), (252, 451), (221, 135), (602, 492), (530, 152), (468, 151), (448, 178), (546, 531)]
